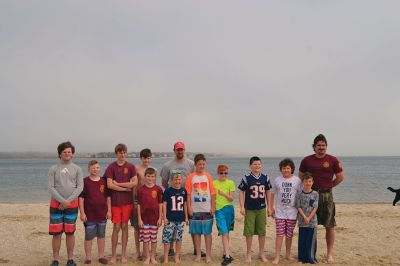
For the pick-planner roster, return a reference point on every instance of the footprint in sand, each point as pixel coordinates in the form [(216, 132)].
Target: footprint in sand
[(37, 234)]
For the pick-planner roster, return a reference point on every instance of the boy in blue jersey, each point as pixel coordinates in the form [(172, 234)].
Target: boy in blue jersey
[(254, 196), (175, 214)]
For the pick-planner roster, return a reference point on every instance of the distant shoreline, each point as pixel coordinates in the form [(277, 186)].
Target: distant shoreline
[(167, 155), (89, 155)]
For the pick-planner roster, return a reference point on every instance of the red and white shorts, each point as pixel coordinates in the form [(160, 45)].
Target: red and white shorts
[(148, 233), (285, 227)]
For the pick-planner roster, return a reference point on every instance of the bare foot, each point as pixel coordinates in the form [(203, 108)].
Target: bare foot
[(136, 257), (208, 259), (330, 259), (197, 259), (290, 258), (112, 260), (146, 261), (124, 259), (275, 261), (177, 259), (263, 258), (165, 260), (248, 258), (153, 260)]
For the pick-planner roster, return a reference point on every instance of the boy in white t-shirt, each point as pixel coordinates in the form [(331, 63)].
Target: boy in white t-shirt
[(284, 189)]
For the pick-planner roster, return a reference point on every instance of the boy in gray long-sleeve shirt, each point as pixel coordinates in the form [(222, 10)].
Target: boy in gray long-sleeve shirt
[(65, 184)]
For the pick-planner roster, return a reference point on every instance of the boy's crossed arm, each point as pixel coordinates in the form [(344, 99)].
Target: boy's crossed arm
[(127, 186), (131, 184)]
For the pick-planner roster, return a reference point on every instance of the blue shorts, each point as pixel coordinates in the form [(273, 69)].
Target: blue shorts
[(172, 232), (225, 219), (201, 223), (93, 230)]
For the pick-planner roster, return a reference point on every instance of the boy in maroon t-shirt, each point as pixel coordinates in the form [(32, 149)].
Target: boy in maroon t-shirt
[(95, 209), (121, 179), (149, 213)]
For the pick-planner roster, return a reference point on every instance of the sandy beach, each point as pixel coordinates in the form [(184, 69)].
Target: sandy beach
[(367, 234)]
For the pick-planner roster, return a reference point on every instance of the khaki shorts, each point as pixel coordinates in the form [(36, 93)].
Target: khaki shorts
[(326, 209), (255, 222)]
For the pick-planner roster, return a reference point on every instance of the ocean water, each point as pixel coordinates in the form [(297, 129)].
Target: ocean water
[(366, 178)]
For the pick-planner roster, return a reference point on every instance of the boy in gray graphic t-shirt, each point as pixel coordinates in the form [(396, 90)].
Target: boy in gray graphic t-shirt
[(307, 203)]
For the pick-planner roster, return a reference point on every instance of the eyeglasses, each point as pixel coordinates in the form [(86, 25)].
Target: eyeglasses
[(223, 173)]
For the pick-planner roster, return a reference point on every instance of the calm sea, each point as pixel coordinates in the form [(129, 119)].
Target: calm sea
[(25, 180)]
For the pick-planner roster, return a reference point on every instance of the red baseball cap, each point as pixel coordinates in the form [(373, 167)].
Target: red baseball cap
[(179, 145)]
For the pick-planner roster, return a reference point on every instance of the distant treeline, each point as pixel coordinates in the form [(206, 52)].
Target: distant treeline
[(45, 155)]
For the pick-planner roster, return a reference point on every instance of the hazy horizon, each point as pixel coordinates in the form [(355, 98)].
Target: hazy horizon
[(227, 77)]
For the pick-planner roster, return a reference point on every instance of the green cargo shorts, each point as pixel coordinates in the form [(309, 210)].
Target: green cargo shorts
[(326, 209), (255, 222)]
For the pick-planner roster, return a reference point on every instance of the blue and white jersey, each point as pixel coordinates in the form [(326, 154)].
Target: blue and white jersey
[(255, 189), (175, 198)]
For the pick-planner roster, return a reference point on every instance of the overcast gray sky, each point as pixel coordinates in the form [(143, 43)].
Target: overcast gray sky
[(233, 77)]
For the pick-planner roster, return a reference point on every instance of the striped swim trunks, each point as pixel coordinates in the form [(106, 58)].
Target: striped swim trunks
[(63, 220), (285, 227), (148, 233), (201, 223)]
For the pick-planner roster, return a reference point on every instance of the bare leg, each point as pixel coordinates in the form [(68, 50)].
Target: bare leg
[(114, 242), (330, 240), (208, 240), (225, 244), (70, 241), (288, 244), (197, 246), (194, 244), (146, 253), (178, 252), (249, 242), (261, 244), (166, 249), (101, 243), (88, 249), (124, 229), (137, 254), (278, 246), (56, 245), (153, 253)]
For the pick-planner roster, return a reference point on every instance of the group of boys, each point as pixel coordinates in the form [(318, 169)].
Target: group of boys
[(191, 196)]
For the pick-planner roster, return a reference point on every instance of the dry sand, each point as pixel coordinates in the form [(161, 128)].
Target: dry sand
[(367, 234)]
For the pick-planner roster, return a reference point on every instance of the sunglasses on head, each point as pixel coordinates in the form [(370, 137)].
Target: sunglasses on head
[(223, 173)]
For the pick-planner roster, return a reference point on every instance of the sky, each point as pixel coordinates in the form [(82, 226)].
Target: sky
[(230, 77)]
